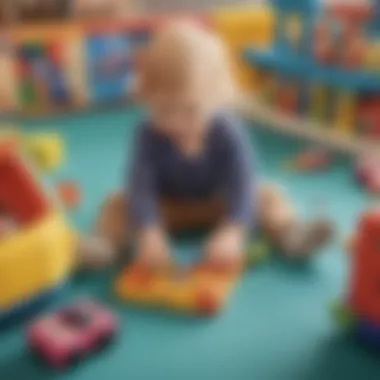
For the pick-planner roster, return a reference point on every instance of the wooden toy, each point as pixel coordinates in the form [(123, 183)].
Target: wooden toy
[(39, 256), (360, 310), (202, 289), (72, 333)]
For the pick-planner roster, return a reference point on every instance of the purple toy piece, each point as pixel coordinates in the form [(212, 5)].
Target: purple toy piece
[(66, 336)]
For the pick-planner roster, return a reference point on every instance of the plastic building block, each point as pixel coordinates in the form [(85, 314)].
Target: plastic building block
[(21, 194), (47, 150), (70, 194), (72, 333), (201, 289), (41, 253), (363, 290)]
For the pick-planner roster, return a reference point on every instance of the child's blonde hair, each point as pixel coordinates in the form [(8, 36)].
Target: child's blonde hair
[(184, 56)]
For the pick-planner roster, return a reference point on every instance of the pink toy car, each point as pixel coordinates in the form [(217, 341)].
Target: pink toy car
[(65, 337), (368, 172)]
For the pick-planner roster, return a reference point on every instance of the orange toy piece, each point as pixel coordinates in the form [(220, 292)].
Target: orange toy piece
[(199, 290), (70, 194), (364, 288)]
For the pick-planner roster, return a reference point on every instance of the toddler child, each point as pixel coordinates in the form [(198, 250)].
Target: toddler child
[(192, 164)]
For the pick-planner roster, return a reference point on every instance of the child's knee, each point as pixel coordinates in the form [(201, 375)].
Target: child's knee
[(112, 221)]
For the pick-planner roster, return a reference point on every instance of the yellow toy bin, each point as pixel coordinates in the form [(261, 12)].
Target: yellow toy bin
[(38, 255)]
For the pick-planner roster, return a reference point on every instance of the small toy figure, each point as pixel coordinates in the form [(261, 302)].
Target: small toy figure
[(64, 337), (367, 172)]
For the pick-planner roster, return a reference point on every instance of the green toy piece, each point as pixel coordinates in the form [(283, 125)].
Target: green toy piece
[(343, 315)]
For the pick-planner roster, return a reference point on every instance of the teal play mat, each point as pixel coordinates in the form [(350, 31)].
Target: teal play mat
[(277, 325)]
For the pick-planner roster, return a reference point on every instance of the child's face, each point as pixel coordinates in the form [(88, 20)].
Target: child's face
[(181, 116)]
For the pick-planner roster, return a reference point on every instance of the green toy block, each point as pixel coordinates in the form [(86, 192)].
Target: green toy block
[(343, 315)]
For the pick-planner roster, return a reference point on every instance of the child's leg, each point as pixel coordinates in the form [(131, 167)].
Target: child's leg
[(278, 219), (177, 216)]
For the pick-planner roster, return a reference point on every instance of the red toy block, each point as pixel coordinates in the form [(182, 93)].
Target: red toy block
[(208, 302), (364, 287), (20, 192)]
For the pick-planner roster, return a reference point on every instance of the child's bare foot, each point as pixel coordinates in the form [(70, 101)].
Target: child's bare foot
[(303, 239)]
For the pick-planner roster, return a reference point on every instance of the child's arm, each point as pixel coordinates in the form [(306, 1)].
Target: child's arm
[(142, 194), (240, 179), (152, 248), (227, 243)]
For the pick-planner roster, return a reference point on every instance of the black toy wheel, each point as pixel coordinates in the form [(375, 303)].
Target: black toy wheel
[(73, 359), (105, 340)]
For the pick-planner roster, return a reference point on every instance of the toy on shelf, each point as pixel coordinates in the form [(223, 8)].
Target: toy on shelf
[(311, 160), (332, 79), (367, 172), (38, 256), (202, 289), (69, 335), (340, 34), (360, 310)]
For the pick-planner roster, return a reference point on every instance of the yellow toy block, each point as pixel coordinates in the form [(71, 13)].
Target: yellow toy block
[(47, 150), (39, 252), (345, 112), (35, 259), (241, 27), (318, 102), (372, 58), (199, 290)]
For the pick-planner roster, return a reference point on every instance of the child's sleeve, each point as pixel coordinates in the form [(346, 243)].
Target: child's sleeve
[(241, 181), (142, 189)]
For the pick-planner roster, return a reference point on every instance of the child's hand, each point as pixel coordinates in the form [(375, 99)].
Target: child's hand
[(226, 245), (152, 248)]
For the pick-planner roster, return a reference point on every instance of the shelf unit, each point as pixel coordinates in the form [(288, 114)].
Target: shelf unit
[(315, 132)]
